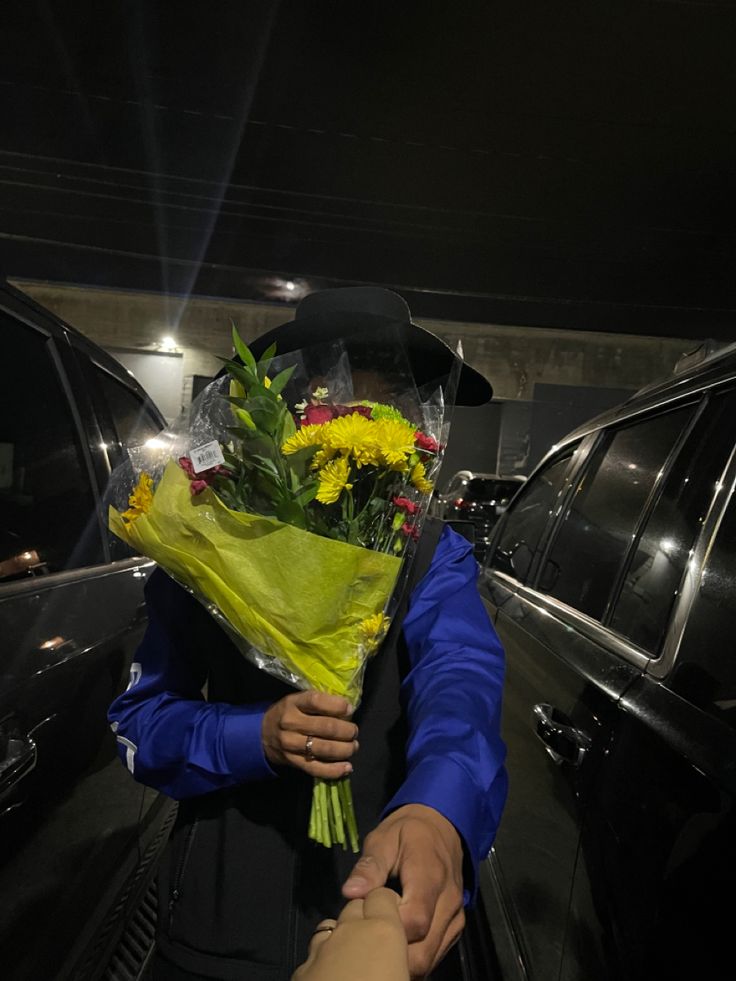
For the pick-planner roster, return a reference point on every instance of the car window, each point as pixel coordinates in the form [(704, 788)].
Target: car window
[(582, 566), (487, 489), (658, 562), (48, 520), (505, 490), (705, 670), (480, 490), (134, 422), (125, 421), (524, 523)]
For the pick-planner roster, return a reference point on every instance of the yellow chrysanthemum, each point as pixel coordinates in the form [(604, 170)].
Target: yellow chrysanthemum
[(333, 480), (321, 458), (396, 441), (373, 630), (418, 479), (354, 436), (304, 437), (141, 498)]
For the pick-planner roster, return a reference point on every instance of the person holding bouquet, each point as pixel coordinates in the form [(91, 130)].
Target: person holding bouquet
[(241, 886)]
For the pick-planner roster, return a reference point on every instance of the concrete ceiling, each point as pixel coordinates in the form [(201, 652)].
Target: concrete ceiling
[(566, 164)]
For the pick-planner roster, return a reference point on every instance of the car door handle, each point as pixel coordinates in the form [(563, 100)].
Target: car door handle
[(564, 742), (19, 759)]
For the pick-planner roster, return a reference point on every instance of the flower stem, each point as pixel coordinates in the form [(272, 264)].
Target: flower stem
[(332, 818), (346, 793)]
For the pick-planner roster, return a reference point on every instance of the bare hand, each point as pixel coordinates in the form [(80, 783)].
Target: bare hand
[(421, 847), (289, 722), (367, 943)]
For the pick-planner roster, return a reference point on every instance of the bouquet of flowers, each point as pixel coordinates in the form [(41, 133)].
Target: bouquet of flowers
[(249, 478)]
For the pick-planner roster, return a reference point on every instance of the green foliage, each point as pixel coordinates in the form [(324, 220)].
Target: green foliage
[(264, 480)]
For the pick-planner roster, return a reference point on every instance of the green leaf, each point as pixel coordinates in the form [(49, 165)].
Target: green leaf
[(288, 426), (241, 374), (291, 513), (241, 433), (265, 462), (278, 383), (264, 360), (265, 413), (307, 495), (269, 353), (243, 350), (300, 460), (246, 418)]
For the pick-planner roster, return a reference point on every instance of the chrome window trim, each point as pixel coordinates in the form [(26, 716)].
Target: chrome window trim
[(661, 666), (700, 406), (36, 584), (578, 454), (657, 666), (589, 628), (579, 461), (628, 410), (14, 308)]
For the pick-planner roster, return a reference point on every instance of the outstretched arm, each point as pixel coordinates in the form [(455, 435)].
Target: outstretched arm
[(442, 821)]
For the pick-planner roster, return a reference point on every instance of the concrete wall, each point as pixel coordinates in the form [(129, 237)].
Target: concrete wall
[(516, 359), (120, 319)]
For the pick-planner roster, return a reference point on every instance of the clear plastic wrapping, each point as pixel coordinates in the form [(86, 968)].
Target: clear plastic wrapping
[(288, 499)]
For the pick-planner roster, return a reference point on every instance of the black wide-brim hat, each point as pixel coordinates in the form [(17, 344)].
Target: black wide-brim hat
[(358, 316)]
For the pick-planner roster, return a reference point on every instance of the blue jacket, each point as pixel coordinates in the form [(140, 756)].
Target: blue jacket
[(173, 739)]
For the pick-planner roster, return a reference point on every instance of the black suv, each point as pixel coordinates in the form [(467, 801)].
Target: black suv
[(477, 500), (78, 838), (612, 583)]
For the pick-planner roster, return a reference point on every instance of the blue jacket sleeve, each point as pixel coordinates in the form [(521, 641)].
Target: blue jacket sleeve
[(168, 735), (453, 695)]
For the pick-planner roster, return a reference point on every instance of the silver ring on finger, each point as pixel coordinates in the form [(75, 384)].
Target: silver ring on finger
[(308, 754), (325, 927)]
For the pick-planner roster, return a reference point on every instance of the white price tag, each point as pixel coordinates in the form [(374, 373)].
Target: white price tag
[(206, 456)]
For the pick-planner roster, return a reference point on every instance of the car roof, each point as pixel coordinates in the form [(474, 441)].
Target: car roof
[(713, 370), (20, 305)]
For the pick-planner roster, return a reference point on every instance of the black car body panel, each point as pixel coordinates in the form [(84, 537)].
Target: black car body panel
[(77, 836), (611, 582)]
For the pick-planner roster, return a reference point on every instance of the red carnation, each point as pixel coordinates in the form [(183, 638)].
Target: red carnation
[(406, 505), (410, 529), (186, 465), (349, 410), (428, 444), (315, 415), (200, 481)]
